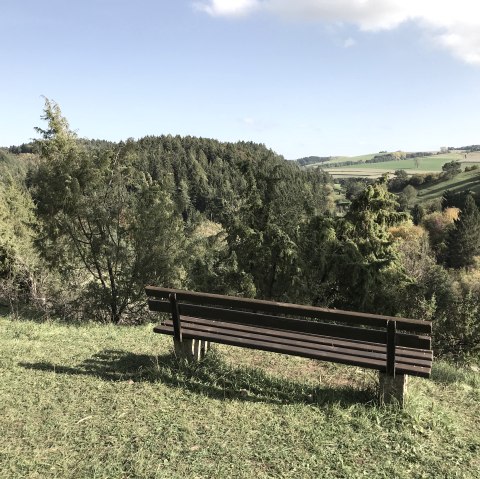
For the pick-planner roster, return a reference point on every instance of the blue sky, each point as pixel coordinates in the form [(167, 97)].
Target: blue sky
[(310, 77)]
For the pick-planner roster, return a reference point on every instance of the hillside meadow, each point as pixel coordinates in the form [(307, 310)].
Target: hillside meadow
[(103, 401), (465, 181), (419, 165)]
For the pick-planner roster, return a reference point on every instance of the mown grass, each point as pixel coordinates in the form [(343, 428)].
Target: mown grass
[(112, 402), (427, 163), (466, 181)]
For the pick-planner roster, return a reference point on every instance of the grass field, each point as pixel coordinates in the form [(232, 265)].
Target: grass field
[(98, 401), (428, 164), (469, 180)]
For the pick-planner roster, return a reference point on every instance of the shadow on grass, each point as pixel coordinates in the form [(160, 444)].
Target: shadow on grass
[(211, 377), (453, 186)]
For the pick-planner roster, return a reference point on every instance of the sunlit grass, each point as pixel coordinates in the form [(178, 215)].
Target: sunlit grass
[(112, 402)]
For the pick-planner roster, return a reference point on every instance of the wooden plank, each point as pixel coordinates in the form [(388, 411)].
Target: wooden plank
[(295, 325), (418, 361), (412, 370), (291, 309), (302, 352), (414, 354), (281, 348), (159, 306), (285, 341), (280, 322), (321, 339), (308, 341)]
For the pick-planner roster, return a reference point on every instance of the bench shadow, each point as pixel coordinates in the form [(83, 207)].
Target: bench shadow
[(211, 377)]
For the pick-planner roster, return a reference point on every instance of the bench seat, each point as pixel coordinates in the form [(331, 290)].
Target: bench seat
[(370, 355)]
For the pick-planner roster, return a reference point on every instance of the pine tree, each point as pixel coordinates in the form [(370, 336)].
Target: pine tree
[(464, 239), (367, 262)]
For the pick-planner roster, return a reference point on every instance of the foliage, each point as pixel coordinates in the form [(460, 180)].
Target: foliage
[(418, 213), (451, 169), (231, 218), (103, 221), (262, 230), (438, 224), (318, 248), (457, 327), (212, 268), (19, 262), (463, 242), (367, 262)]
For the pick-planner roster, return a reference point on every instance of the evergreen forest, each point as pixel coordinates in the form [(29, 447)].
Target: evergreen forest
[(86, 224)]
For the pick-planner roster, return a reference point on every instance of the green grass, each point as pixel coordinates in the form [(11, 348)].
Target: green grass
[(469, 180), (112, 402), (427, 163)]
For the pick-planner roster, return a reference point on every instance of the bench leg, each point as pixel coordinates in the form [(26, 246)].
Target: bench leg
[(191, 349), (204, 348), (184, 349), (392, 390), (197, 349)]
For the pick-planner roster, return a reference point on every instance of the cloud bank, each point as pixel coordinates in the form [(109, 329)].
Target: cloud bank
[(453, 25)]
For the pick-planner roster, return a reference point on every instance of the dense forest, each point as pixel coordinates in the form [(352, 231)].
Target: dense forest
[(85, 224)]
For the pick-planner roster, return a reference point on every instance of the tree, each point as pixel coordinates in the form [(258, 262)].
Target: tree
[(318, 247), (104, 224), (398, 181), (408, 195), (418, 213), (463, 242), (19, 262), (367, 263), (451, 169)]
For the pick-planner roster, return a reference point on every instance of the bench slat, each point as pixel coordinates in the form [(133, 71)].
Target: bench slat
[(292, 309), (421, 354), (328, 344), (284, 340), (295, 325), (345, 358)]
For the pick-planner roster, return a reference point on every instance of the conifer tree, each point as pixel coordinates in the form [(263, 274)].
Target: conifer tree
[(107, 226), (367, 262), (464, 240)]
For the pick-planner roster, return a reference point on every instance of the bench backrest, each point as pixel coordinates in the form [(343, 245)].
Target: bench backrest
[(373, 328)]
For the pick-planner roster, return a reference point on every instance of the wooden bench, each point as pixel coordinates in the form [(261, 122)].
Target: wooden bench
[(396, 347)]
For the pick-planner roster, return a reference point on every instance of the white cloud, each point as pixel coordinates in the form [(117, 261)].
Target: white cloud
[(218, 8), (454, 25)]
